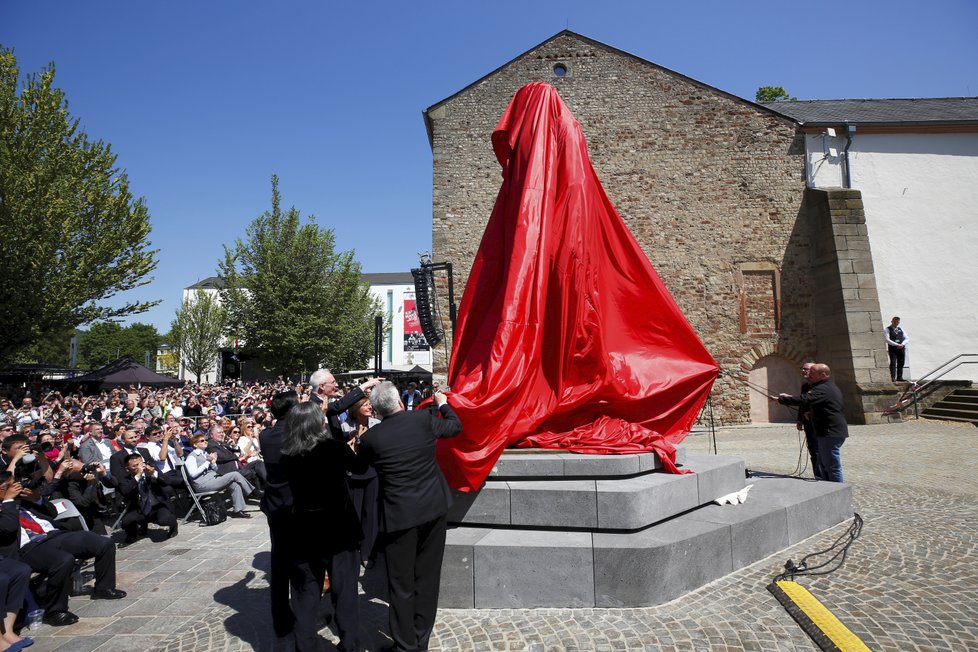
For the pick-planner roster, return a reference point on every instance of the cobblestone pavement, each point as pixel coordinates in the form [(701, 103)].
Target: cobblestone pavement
[(909, 583)]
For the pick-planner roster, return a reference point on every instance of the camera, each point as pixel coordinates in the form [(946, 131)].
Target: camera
[(42, 447), (90, 468), (24, 472)]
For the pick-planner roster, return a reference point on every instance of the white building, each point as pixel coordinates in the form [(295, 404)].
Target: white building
[(915, 162), (404, 345)]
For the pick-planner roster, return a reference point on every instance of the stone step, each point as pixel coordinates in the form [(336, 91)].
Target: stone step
[(628, 503), (950, 413), (536, 463), (489, 568)]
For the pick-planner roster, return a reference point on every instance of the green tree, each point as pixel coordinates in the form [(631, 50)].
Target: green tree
[(295, 301), (772, 94), (197, 331), (107, 341), (71, 233), (101, 344)]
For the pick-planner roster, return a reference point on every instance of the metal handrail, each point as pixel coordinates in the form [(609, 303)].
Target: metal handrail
[(916, 387)]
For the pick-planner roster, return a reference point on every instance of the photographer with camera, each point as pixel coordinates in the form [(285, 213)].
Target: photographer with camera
[(29, 468), (30, 533), (82, 484), (144, 498)]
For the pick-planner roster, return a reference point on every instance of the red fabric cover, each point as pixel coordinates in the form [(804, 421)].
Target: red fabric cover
[(566, 338)]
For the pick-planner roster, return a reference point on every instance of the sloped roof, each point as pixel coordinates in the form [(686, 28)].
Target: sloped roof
[(427, 117), (925, 110), (123, 372), (209, 283)]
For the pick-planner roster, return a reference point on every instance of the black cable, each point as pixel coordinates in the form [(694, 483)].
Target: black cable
[(793, 570)]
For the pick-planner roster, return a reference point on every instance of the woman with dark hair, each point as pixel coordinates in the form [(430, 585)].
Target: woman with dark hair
[(316, 466), (364, 487)]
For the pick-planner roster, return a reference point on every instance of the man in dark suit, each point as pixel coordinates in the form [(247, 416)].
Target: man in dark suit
[(30, 533), (824, 401), (416, 500), (277, 507), (144, 498), (117, 462)]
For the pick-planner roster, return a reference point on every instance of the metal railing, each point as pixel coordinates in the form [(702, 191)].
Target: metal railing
[(913, 391)]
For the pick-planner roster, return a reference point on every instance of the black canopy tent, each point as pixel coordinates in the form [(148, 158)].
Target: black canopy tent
[(122, 373)]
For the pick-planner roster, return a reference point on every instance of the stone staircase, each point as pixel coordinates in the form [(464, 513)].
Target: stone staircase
[(959, 405), (566, 530)]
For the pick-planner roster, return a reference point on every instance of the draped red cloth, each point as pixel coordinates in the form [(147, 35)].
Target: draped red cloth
[(566, 336)]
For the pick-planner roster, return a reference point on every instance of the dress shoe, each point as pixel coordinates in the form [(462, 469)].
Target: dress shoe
[(239, 515), (172, 532), (108, 594), (256, 494), (59, 618)]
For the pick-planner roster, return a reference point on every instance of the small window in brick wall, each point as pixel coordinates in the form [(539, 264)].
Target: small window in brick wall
[(760, 298), (560, 70)]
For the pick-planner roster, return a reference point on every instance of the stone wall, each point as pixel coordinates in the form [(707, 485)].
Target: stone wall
[(711, 186), (848, 320)]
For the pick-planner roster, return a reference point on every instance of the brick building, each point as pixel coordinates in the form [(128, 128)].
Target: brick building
[(713, 188)]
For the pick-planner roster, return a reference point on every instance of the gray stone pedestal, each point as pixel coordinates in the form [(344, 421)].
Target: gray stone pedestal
[(565, 530)]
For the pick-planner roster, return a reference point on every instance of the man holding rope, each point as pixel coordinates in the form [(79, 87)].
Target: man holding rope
[(824, 401)]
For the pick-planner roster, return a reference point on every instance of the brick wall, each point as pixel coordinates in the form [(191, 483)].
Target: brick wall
[(711, 186)]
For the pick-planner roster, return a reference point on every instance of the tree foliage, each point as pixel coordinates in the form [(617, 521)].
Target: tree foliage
[(772, 94), (197, 332), (71, 233), (295, 301), (107, 341)]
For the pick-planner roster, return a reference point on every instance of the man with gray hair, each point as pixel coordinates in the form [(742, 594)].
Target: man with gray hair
[(416, 500), (323, 386)]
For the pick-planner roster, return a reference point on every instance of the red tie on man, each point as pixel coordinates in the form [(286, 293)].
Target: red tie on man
[(29, 523)]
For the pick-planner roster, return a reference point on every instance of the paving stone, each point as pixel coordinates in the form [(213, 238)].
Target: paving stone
[(908, 583)]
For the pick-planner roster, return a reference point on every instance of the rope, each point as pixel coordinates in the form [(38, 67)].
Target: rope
[(802, 464), (838, 551)]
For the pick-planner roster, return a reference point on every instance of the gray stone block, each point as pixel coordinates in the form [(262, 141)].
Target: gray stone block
[(658, 564), (810, 505), (716, 475), (527, 465), (634, 503), (488, 506), (524, 569), (758, 528), (458, 568), (601, 465), (561, 503)]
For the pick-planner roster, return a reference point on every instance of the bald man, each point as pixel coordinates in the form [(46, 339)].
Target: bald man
[(824, 401)]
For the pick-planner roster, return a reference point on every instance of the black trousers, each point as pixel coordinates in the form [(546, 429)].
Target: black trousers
[(812, 444), (365, 494), (14, 578), (161, 515), (897, 358), (280, 533), (306, 578), (54, 557), (414, 559)]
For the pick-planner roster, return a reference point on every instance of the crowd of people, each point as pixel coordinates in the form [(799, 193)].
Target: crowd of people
[(305, 451)]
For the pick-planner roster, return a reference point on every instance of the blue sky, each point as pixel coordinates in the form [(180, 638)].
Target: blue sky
[(203, 101)]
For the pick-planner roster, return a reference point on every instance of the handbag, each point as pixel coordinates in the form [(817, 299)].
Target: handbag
[(214, 511)]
